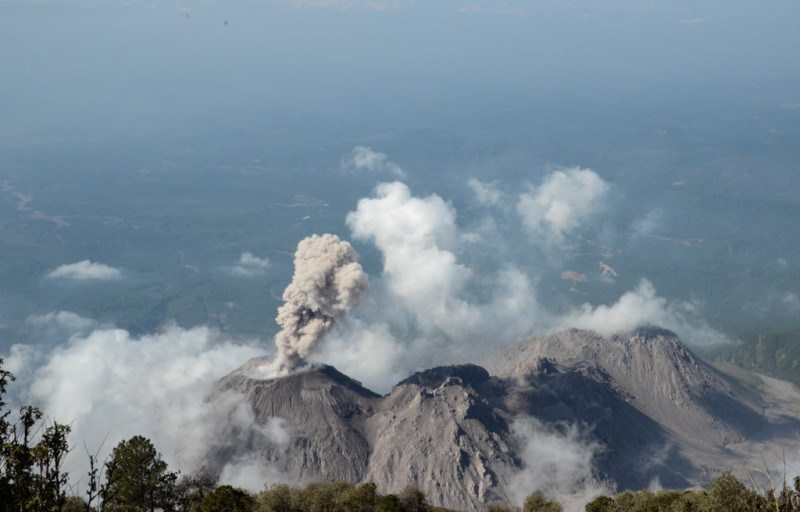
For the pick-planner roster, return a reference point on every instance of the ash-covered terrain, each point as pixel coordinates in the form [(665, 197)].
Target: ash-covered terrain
[(573, 414)]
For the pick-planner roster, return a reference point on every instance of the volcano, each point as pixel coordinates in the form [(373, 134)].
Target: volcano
[(657, 414)]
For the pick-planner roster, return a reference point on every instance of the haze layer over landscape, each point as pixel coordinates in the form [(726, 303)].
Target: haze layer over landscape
[(502, 169)]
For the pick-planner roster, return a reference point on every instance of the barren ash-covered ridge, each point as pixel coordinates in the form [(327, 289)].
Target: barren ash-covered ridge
[(654, 372), (438, 431), (321, 410), (433, 430), (660, 415)]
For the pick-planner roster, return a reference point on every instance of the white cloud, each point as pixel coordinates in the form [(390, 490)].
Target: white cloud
[(642, 307), (561, 205), (250, 265), (358, 341), (251, 473), (364, 158), (415, 236), (649, 223), (485, 193), (427, 307), (108, 384), (61, 320), (557, 463), (253, 470), (86, 270)]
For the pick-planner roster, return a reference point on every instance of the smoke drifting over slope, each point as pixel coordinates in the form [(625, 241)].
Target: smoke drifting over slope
[(433, 305), (327, 283), (109, 385)]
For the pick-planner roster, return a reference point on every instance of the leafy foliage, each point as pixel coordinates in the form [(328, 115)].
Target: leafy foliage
[(538, 502), (774, 354), (190, 491), (327, 497), (725, 492), (227, 499), (138, 479), (31, 458), (501, 507)]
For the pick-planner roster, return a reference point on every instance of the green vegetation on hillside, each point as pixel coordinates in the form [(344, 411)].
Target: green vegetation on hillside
[(773, 354), (725, 493)]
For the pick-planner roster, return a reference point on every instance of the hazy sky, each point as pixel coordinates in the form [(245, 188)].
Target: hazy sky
[(106, 65)]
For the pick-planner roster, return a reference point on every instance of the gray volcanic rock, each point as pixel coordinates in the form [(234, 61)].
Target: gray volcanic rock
[(435, 430), (322, 410), (656, 410), (654, 372)]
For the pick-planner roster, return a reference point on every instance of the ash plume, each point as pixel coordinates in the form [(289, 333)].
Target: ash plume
[(328, 282)]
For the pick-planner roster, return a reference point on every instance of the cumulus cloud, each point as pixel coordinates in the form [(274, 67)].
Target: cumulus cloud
[(249, 265), (415, 237), (561, 205), (86, 270), (429, 306), (426, 302), (641, 307), (558, 462), (64, 321), (364, 158), (485, 193), (109, 385)]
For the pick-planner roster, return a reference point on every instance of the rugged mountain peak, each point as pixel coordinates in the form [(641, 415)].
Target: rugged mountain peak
[(465, 374), (322, 412), (656, 409), (655, 373)]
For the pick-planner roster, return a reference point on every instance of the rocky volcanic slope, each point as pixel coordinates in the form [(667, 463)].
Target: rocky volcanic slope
[(656, 409)]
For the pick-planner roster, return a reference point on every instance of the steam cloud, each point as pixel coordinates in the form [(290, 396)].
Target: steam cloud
[(639, 307), (556, 463), (434, 303), (327, 283), (86, 270), (365, 158), (485, 193), (561, 203), (109, 385), (250, 265)]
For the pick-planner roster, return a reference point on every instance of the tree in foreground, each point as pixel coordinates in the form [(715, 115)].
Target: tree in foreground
[(31, 458), (137, 479), (413, 499), (191, 490), (724, 493), (227, 499), (538, 502), (502, 507)]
